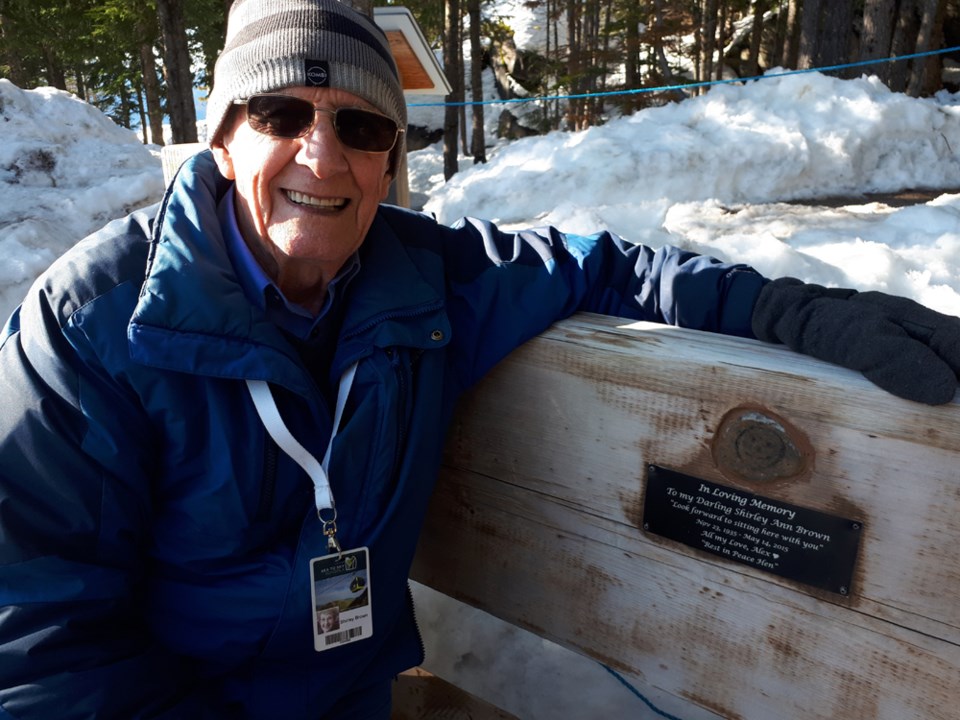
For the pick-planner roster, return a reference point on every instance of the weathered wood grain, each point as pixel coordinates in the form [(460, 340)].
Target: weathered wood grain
[(538, 519)]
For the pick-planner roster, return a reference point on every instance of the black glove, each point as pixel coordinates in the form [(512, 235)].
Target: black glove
[(902, 346)]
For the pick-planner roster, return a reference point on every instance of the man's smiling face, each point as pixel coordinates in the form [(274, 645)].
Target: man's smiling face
[(304, 205)]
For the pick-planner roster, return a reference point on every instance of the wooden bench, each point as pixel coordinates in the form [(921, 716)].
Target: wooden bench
[(555, 512)]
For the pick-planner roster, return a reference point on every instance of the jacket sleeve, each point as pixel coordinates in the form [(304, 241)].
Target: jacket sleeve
[(509, 287), (75, 505)]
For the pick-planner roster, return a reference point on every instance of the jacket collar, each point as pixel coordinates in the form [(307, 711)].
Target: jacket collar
[(390, 301)]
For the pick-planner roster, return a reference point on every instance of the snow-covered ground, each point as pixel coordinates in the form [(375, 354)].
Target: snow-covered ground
[(710, 174)]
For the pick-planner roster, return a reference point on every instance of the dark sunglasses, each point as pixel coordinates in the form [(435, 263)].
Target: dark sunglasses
[(286, 116)]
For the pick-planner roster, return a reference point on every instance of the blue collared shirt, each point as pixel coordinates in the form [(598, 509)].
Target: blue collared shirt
[(264, 293)]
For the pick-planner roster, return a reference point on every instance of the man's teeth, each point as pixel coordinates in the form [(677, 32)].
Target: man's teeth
[(302, 199)]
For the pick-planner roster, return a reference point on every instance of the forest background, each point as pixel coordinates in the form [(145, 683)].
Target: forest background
[(142, 63)]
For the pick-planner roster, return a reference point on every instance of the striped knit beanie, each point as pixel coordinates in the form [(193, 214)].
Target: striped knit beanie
[(274, 44)]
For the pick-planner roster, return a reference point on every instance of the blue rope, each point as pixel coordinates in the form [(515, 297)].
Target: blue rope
[(687, 86), (636, 692)]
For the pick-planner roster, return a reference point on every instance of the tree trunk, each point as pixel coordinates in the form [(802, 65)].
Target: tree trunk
[(756, 37), (791, 44), (151, 89), (708, 42), (904, 42), (9, 58), (588, 59), (604, 58), (721, 39), (591, 47), (545, 107), (451, 67), (877, 35), (81, 83), (462, 120), (176, 59), (924, 72), (478, 144), (631, 67), (780, 34), (56, 76), (124, 119), (809, 50), (836, 33), (662, 64), (574, 64)]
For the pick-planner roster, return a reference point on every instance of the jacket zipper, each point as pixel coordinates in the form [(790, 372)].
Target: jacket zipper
[(271, 453), (399, 371), (394, 357), (404, 376)]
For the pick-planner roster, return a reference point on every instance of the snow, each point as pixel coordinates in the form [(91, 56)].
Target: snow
[(65, 171), (712, 174)]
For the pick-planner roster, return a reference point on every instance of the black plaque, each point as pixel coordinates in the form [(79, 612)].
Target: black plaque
[(805, 545)]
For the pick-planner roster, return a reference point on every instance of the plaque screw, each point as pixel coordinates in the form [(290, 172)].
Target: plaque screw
[(843, 590)]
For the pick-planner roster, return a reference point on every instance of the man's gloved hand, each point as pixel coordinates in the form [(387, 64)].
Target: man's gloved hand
[(902, 346)]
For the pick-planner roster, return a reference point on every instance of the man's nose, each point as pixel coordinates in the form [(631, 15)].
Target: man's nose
[(321, 150)]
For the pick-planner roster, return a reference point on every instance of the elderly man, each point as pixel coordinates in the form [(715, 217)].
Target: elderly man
[(225, 414)]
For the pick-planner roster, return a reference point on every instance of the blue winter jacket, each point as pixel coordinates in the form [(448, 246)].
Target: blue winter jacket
[(154, 540)]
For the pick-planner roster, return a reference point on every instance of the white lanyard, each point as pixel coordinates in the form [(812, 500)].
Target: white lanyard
[(270, 416)]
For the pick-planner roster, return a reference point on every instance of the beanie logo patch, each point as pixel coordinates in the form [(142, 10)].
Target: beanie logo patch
[(317, 73)]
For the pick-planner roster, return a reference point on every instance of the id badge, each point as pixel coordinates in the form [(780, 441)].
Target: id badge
[(340, 588)]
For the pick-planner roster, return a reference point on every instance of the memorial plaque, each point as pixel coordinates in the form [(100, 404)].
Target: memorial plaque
[(798, 543)]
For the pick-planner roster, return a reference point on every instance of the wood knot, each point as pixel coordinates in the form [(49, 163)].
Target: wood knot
[(755, 445)]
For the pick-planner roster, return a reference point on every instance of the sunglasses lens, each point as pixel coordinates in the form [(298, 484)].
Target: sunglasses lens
[(285, 116), (366, 131), (279, 115)]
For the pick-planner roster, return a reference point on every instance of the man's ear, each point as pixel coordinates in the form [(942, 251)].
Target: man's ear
[(221, 155), (390, 175), (385, 185), (220, 144)]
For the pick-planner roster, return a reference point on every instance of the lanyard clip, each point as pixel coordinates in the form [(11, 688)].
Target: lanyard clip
[(330, 529)]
